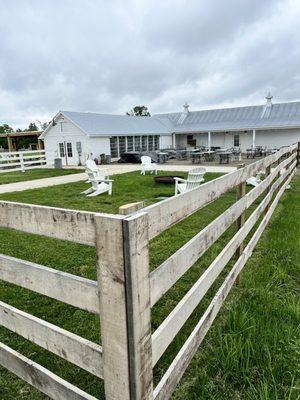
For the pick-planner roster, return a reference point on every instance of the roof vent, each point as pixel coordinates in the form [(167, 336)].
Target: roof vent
[(184, 114), (268, 106)]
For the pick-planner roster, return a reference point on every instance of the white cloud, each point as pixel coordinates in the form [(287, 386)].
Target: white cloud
[(107, 56)]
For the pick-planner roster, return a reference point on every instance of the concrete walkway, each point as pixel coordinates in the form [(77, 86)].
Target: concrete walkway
[(113, 170)]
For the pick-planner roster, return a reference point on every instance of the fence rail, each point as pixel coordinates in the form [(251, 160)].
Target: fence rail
[(125, 289), (22, 160)]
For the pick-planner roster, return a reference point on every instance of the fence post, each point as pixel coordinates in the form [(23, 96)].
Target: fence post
[(240, 192), (136, 255), (125, 313), (298, 154), (112, 296), (21, 157)]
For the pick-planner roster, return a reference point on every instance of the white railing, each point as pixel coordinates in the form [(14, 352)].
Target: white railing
[(22, 160)]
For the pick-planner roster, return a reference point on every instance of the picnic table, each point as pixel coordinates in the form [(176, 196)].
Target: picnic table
[(224, 157)]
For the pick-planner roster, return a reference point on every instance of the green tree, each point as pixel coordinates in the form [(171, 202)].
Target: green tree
[(5, 128), (140, 111), (32, 127)]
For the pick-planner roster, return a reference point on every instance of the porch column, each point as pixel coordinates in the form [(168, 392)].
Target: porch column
[(253, 138), (10, 144), (173, 140), (209, 140)]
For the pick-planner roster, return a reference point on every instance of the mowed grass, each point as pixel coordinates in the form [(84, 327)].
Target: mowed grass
[(252, 349), (38, 173)]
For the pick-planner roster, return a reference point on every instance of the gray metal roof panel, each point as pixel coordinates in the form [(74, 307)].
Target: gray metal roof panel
[(107, 125), (250, 117)]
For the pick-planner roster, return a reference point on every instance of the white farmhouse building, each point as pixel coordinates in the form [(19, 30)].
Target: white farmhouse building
[(74, 136)]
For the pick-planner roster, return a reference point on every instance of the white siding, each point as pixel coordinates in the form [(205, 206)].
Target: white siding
[(98, 145), (71, 134)]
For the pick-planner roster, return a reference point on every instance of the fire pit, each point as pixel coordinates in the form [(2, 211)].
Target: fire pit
[(166, 179)]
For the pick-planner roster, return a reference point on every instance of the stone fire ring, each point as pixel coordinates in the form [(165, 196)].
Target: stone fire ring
[(166, 179)]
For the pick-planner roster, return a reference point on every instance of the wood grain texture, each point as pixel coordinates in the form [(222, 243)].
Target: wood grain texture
[(39, 377), (67, 345), (71, 289), (167, 274), (136, 257), (74, 226), (166, 213), (169, 328), (168, 383), (112, 294)]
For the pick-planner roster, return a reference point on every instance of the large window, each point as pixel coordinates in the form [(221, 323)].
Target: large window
[(119, 145), (129, 143), (144, 143), (236, 140), (114, 147), (122, 145), (150, 143), (137, 143)]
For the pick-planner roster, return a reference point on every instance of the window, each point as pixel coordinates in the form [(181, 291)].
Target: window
[(114, 147), (122, 145), (144, 143), (150, 143), (129, 143), (236, 140), (137, 143), (61, 150), (69, 150), (156, 142)]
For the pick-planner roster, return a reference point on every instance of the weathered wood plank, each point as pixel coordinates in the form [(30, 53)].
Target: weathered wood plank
[(168, 383), (67, 345), (169, 328), (166, 213), (71, 289), (241, 191), (111, 281), (74, 226), (39, 377), (167, 274), (136, 257)]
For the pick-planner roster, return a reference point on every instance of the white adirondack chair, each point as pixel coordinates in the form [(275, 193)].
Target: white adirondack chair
[(99, 178), (194, 179), (99, 172), (254, 180), (148, 165)]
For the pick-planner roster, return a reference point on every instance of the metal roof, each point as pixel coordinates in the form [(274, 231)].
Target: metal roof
[(281, 115), (95, 124), (267, 116)]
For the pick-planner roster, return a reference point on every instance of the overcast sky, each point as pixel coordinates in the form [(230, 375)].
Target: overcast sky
[(107, 56)]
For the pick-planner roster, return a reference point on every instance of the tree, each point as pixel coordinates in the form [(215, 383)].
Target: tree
[(140, 111), (5, 129), (32, 127)]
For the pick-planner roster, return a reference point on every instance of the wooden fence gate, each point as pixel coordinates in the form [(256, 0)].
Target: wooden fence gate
[(126, 290)]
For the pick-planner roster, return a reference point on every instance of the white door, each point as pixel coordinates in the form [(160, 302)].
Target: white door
[(67, 152)]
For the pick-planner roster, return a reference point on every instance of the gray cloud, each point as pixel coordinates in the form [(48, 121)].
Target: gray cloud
[(107, 56)]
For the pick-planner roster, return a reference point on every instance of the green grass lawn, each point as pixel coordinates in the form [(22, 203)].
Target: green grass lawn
[(252, 349), (38, 173)]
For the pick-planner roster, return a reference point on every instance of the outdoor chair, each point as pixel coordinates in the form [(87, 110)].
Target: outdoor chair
[(148, 165), (194, 179), (254, 180), (99, 179)]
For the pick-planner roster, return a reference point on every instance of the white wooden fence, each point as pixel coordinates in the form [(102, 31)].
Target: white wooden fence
[(22, 160), (126, 290)]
